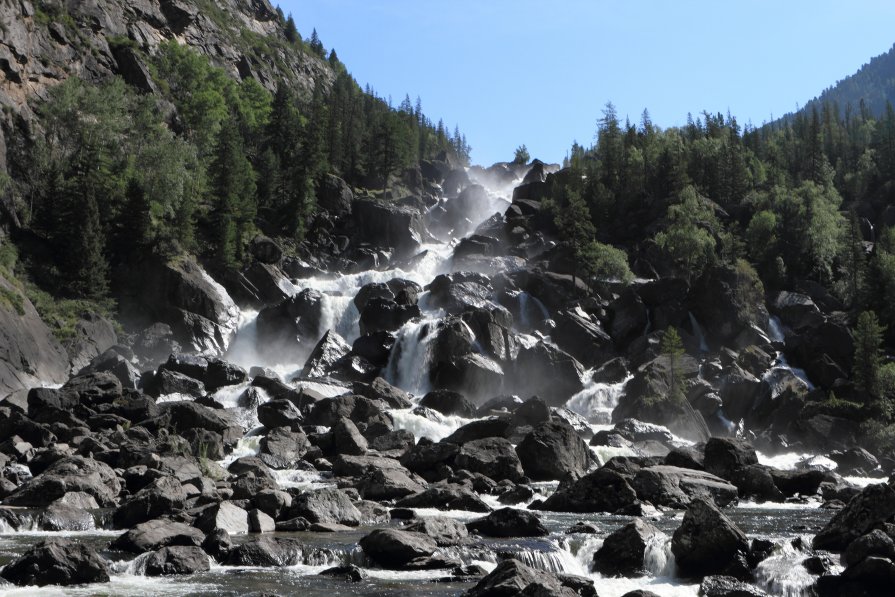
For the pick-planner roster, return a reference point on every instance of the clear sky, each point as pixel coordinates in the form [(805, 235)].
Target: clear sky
[(539, 72)]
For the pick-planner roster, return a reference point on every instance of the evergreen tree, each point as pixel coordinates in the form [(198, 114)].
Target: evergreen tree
[(316, 45), (521, 155), (673, 350), (233, 188), (291, 30), (868, 354)]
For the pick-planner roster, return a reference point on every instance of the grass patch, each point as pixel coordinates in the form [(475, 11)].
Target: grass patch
[(62, 315)]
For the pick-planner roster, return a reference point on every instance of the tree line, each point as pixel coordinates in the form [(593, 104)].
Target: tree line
[(200, 167)]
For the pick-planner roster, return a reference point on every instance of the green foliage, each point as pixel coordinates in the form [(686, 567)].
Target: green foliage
[(292, 35), (605, 262), (233, 193), (672, 349), (62, 315), (521, 155), (688, 240), (868, 354)]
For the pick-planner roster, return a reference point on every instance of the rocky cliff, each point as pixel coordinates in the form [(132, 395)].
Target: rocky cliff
[(46, 41)]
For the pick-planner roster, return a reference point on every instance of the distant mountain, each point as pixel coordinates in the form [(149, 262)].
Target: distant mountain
[(874, 84)]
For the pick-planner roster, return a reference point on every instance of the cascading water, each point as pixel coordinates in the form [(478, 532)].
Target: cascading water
[(408, 366)]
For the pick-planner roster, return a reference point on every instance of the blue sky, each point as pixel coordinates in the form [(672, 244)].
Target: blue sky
[(519, 71)]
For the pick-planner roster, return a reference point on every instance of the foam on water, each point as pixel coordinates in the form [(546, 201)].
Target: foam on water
[(303, 480), (421, 426), (408, 365), (597, 400), (782, 573)]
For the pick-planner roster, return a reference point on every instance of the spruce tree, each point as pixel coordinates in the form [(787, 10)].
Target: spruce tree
[(868, 354), (673, 349), (291, 30), (233, 187)]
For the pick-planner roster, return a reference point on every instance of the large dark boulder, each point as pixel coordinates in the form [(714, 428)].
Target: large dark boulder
[(445, 497), (57, 562), (509, 522), (582, 337), (493, 457), (728, 300), (384, 315), (547, 372), (334, 195), (873, 506), (622, 553), (179, 559), (449, 403), (325, 355), (181, 294), (553, 450), (603, 490), (388, 225), (727, 586), (393, 548), (512, 578), (326, 506), (707, 542), (678, 487), (445, 531), (70, 474), (294, 321), (164, 496), (93, 335), (262, 551), (158, 533), (182, 415), (725, 457)]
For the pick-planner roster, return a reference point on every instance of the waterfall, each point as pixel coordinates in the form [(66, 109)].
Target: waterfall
[(527, 303), (408, 364), (597, 400), (783, 574), (775, 329), (657, 557), (697, 331)]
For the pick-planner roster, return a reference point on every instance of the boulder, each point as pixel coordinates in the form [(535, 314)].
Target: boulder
[(389, 484), (347, 439), (155, 534), (181, 294), (678, 487), (334, 195), (444, 531), (163, 496), (224, 516), (727, 586), (493, 456), (294, 321), (393, 548), (325, 355), (279, 413), (449, 403), (873, 506), (445, 497), (512, 577), (707, 542), (553, 450), (70, 474), (874, 543), (582, 337), (179, 559), (265, 250), (603, 490), (326, 506), (61, 517), (724, 457), (57, 561), (387, 225), (283, 448), (509, 522), (384, 315), (547, 372), (93, 335), (262, 551), (623, 551)]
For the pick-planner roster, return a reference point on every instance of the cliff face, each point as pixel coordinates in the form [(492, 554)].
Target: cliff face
[(46, 41)]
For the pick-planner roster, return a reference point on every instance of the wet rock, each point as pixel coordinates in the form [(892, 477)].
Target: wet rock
[(724, 457), (382, 391), (378, 484), (263, 551), (493, 456), (279, 413), (348, 572), (445, 497), (623, 551), (259, 522), (59, 517), (548, 372), (326, 506), (481, 429), (325, 355), (874, 543), (71, 474), (552, 451), (57, 562), (161, 497), (678, 487), (155, 534), (224, 516), (603, 490), (177, 560), (449, 403), (854, 462), (873, 506), (582, 337), (509, 522), (445, 531), (727, 586), (707, 542), (393, 548), (382, 315), (347, 439), (295, 320), (512, 577), (283, 448)]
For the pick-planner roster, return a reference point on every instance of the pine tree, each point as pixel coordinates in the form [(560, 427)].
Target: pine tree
[(291, 30), (673, 349), (868, 354), (233, 187), (316, 45)]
